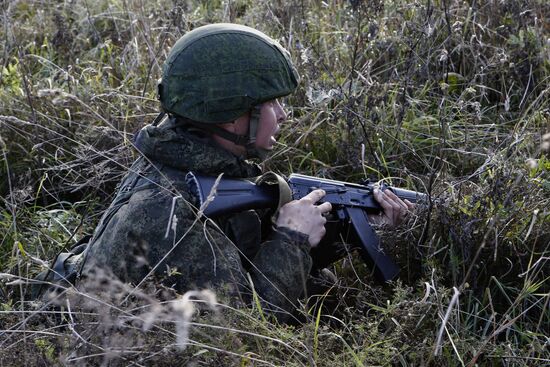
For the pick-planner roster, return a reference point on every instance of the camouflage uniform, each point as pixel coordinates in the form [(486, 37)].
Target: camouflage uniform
[(213, 74), (152, 223)]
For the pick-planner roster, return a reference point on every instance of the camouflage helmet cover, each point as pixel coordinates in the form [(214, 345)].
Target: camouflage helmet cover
[(218, 72)]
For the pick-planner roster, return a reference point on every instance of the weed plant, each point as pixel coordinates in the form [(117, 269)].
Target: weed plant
[(446, 97)]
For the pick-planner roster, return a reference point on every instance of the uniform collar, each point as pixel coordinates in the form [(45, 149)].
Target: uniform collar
[(182, 149)]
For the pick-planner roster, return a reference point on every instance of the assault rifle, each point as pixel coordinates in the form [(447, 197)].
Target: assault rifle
[(351, 203)]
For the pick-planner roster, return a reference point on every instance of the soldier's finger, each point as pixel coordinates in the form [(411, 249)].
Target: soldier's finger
[(382, 199), (410, 205), (396, 199), (398, 211), (325, 207), (315, 195), (316, 237), (386, 205)]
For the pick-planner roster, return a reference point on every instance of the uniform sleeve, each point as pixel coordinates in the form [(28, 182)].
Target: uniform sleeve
[(280, 270), (207, 257), (146, 237)]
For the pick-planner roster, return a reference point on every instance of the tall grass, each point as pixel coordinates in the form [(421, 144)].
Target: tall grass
[(446, 97)]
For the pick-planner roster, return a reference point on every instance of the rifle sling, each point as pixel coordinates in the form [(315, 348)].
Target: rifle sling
[(285, 194)]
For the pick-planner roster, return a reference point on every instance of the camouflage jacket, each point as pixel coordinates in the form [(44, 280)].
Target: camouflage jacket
[(151, 228)]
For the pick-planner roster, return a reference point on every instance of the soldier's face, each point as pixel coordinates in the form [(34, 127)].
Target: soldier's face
[(272, 114)]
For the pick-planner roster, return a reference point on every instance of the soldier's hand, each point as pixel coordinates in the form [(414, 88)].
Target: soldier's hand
[(305, 216), (395, 209)]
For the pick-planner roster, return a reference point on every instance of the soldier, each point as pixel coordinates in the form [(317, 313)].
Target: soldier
[(219, 89)]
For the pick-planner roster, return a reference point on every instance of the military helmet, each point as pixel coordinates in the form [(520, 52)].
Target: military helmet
[(218, 72)]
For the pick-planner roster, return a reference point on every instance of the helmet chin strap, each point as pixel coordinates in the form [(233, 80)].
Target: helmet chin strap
[(251, 150), (247, 141)]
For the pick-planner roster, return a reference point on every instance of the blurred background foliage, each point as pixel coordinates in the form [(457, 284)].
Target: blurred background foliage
[(445, 97)]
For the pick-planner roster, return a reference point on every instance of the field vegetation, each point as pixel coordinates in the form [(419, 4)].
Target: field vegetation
[(446, 97)]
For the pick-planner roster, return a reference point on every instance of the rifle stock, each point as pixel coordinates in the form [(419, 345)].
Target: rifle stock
[(230, 195)]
